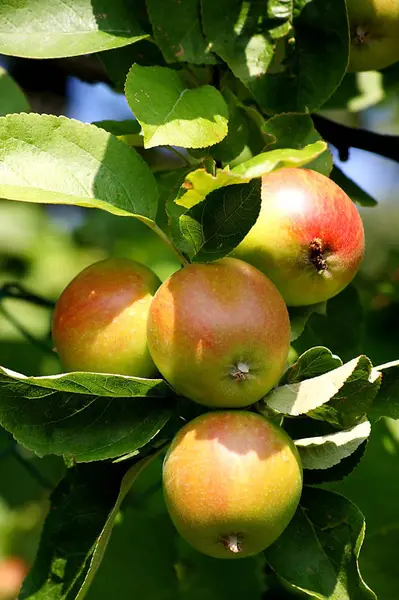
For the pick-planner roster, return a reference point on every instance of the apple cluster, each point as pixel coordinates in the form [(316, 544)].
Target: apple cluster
[(219, 333)]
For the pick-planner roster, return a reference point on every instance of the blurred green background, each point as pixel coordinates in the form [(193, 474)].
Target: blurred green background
[(43, 248)]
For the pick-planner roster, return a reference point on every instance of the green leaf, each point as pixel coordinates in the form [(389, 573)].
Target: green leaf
[(128, 131), (319, 550), (172, 114), (118, 62), (55, 160), (296, 131), (277, 159), (12, 98), (299, 316), (169, 184), (77, 530), (386, 403), (312, 363), (53, 29), (200, 183), (280, 52), (337, 472), (177, 31), (83, 415), (356, 193), (328, 330), (379, 561), (217, 225), (326, 451), (349, 391)]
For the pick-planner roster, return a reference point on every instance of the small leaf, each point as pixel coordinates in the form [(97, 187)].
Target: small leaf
[(178, 33), (60, 415), (299, 316), (313, 362), (200, 183), (53, 29), (170, 113), (169, 184), (386, 403), (318, 552), (78, 528), (348, 390), (325, 451), (296, 130), (355, 192), (12, 98), (338, 472), (217, 225), (276, 159), (55, 160), (127, 131)]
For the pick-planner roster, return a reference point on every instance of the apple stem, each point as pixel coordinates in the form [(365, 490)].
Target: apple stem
[(152, 225), (232, 543)]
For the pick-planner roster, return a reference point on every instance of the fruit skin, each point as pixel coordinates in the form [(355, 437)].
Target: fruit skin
[(374, 26), (13, 571), (308, 238), (219, 333), (231, 475), (100, 319)]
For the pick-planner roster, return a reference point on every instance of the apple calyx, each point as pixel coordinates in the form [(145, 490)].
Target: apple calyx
[(232, 543), (316, 251), (240, 371), (362, 35)]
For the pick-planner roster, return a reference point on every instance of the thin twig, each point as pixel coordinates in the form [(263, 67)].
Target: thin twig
[(32, 470), (344, 138)]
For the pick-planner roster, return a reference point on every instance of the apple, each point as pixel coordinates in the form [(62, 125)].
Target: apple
[(374, 26), (308, 238), (232, 481), (100, 319), (219, 333), (13, 571)]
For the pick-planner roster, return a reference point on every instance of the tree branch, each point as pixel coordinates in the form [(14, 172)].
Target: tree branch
[(343, 138)]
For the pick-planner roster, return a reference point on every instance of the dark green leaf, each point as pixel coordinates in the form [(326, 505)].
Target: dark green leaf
[(312, 363), (169, 185), (57, 415), (50, 29), (118, 62), (12, 98), (281, 53), (318, 552), (77, 530), (340, 329), (177, 31), (217, 225), (386, 403), (355, 192), (299, 316), (55, 160), (338, 472), (296, 131), (170, 113)]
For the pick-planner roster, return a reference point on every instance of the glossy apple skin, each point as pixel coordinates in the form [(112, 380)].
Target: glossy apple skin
[(13, 571), (374, 26), (308, 238), (219, 333), (231, 474), (100, 319)]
